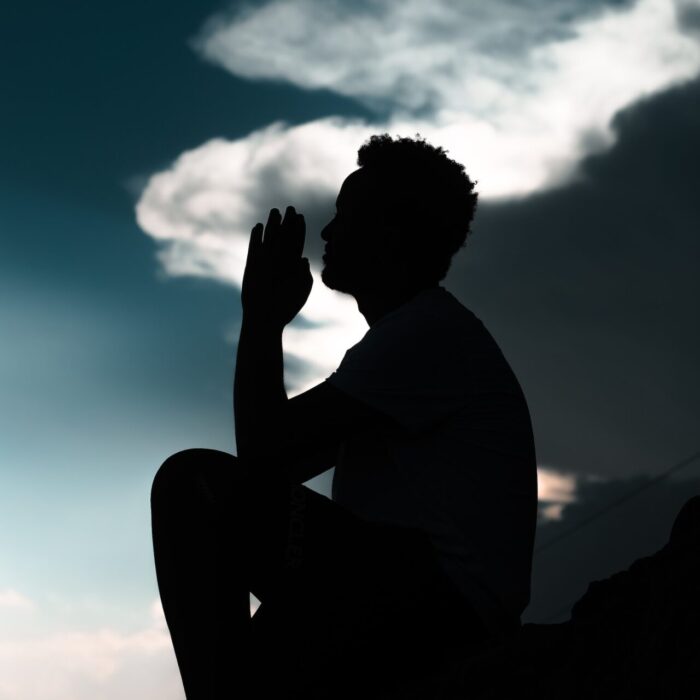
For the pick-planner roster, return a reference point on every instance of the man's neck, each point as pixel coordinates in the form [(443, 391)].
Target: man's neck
[(375, 304)]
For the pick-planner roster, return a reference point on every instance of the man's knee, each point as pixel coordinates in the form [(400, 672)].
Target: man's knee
[(180, 472)]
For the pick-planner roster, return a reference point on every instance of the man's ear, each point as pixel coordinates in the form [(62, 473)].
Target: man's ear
[(394, 240), (400, 252)]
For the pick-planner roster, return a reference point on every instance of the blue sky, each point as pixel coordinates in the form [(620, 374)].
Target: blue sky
[(140, 143)]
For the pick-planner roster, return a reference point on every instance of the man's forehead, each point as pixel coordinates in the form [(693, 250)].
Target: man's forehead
[(357, 184)]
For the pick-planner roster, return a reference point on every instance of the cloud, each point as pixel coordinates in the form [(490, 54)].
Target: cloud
[(82, 665), (519, 97), (689, 15), (517, 92), (10, 599), (555, 489)]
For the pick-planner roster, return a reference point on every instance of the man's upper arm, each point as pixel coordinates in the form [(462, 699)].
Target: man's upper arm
[(312, 427)]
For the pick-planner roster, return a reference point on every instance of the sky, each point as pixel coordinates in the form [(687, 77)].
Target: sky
[(139, 145)]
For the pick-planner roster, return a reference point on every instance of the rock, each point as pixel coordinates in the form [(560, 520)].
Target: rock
[(634, 635)]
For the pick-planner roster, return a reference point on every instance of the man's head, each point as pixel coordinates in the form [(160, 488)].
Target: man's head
[(400, 217)]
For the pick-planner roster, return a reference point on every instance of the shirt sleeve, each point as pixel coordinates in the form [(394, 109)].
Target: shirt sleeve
[(411, 370)]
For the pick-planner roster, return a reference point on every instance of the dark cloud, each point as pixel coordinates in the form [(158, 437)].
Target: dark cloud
[(592, 291), (688, 14), (609, 543)]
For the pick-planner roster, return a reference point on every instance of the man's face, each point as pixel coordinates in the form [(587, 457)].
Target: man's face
[(356, 241)]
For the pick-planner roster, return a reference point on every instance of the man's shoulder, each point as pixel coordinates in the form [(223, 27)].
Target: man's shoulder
[(433, 310), (434, 331)]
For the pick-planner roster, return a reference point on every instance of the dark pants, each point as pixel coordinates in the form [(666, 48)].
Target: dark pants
[(345, 603)]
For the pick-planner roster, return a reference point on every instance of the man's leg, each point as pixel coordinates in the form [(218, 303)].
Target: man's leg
[(373, 611), (205, 598), (219, 532), (339, 596)]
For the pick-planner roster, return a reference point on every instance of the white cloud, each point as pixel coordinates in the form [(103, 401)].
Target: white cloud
[(516, 95), (10, 599), (511, 88), (83, 665), (407, 55), (105, 663), (555, 489)]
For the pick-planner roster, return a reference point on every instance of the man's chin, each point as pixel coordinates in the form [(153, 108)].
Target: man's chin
[(332, 282)]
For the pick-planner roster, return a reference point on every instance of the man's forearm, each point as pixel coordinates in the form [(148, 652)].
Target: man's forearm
[(258, 391)]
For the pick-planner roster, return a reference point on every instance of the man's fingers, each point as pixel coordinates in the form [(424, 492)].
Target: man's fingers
[(256, 239), (293, 233), (254, 244), (284, 239), (272, 228)]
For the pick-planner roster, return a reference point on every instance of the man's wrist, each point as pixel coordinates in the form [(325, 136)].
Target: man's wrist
[(261, 324)]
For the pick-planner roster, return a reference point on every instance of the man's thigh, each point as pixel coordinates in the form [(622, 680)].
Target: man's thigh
[(357, 609), (303, 543), (297, 539)]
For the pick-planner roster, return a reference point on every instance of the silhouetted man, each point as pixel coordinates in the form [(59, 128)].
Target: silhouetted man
[(427, 540)]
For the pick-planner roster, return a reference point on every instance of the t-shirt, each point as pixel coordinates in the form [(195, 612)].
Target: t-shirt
[(460, 467)]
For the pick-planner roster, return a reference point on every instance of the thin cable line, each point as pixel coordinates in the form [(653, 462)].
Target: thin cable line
[(617, 502), (605, 509)]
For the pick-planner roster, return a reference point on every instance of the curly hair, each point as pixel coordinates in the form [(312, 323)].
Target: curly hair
[(426, 194)]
